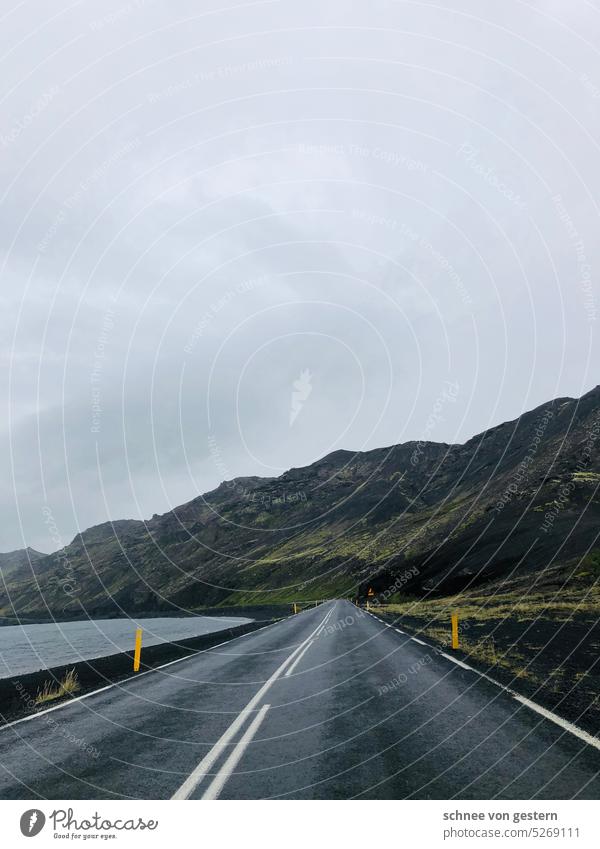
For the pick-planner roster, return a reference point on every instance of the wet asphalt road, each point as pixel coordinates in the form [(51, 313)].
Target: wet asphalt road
[(328, 704)]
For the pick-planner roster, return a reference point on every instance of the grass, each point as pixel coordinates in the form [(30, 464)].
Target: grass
[(578, 595), (66, 687), (485, 652), (563, 594)]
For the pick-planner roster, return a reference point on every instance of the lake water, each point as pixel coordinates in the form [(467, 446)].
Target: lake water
[(27, 648)]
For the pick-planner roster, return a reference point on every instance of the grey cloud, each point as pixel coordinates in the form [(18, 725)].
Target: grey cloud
[(206, 175)]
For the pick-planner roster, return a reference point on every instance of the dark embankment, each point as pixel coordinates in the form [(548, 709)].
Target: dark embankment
[(17, 695), (542, 643)]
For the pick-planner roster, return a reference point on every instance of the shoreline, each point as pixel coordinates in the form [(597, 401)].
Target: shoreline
[(19, 691)]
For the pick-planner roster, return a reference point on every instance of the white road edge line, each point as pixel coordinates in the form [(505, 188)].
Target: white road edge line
[(298, 659), (214, 789), (137, 676), (547, 714), (196, 776), (553, 717)]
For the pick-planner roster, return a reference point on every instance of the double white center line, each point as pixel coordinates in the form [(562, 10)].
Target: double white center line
[(194, 779), (306, 648), (234, 758), (298, 659)]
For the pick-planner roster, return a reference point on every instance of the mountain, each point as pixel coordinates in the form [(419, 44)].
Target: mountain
[(18, 563), (420, 515)]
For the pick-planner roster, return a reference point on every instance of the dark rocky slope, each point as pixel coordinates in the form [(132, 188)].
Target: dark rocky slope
[(517, 498)]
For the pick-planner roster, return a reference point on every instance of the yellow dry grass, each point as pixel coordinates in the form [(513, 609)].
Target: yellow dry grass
[(66, 687)]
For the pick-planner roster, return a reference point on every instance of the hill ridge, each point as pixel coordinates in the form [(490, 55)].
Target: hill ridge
[(453, 513)]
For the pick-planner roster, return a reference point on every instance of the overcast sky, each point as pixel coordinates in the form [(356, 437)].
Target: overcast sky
[(235, 240)]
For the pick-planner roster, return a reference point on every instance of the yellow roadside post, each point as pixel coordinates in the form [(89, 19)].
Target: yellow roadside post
[(295, 608), (138, 650), (455, 630), (367, 604)]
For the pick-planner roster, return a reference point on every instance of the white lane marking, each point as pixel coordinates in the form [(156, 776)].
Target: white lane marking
[(398, 630), (325, 622), (136, 677), (298, 659), (547, 714), (460, 663), (196, 776), (214, 789), (553, 717)]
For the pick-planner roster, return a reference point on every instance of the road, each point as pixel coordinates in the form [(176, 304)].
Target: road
[(328, 704)]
